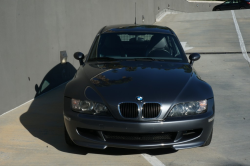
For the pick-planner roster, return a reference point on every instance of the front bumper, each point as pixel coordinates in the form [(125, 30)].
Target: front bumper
[(73, 121)]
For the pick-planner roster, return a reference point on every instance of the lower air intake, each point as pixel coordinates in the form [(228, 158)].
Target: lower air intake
[(136, 137)]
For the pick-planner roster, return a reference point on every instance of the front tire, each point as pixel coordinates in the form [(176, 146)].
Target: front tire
[(217, 10), (67, 138), (242, 8), (208, 140)]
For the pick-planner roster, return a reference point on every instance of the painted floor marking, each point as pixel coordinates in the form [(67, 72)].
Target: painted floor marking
[(242, 44), (184, 46), (152, 160), (17, 107), (164, 13), (160, 17)]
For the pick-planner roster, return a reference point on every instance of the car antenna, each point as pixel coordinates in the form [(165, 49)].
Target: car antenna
[(135, 13)]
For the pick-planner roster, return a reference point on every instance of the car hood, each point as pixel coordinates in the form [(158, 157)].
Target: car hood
[(157, 82), (154, 81)]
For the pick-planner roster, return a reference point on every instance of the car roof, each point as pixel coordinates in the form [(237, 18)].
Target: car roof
[(136, 28)]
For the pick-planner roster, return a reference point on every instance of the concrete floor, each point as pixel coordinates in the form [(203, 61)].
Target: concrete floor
[(210, 31), (33, 133)]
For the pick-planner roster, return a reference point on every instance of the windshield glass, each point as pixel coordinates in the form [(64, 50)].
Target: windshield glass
[(137, 46)]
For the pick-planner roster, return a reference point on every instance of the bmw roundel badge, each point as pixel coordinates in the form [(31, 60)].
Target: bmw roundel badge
[(139, 98)]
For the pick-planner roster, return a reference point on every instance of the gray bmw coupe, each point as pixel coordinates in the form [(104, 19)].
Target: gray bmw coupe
[(136, 89)]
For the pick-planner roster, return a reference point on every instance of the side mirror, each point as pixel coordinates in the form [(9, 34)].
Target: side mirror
[(194, 57), (79, 56), (37, 88)]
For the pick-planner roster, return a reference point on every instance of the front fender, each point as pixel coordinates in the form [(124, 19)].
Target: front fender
[(195, 90)]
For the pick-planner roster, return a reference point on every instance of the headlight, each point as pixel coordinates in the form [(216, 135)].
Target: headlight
[(89, 107), (189, 108)]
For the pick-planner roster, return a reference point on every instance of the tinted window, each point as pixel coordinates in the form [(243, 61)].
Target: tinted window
[(122, 46), (229, 1)]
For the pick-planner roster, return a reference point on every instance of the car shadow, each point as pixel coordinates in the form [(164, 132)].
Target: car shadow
[(44, 118)]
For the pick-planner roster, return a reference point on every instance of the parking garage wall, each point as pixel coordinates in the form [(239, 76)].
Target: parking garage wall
[(33, 33), (190, 7)]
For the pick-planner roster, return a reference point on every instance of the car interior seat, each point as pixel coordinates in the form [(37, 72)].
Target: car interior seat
[(112, 46)]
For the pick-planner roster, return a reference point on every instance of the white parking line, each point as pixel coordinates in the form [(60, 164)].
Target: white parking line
[(184, 46), (152, 160), (242, 44), (17, 107)]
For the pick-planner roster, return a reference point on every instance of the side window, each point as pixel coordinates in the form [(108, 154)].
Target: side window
[(228, 2)]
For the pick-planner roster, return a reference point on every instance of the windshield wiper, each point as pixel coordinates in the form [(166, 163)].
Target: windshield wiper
[(102, 59), (152, 59), (171, 60), (144, 59)]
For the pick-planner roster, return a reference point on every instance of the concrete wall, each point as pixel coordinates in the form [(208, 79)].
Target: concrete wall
[(190, 7), (184, 6), (34, 32)]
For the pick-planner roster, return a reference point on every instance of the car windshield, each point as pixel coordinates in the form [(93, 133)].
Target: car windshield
[(137, 46)]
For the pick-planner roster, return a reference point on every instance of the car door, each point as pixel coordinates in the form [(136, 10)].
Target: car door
[(236, 5), (244, 4), (228, 5)]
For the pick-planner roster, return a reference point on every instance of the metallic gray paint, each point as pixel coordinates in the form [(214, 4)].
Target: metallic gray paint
[(111, 83), (112, 124)]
